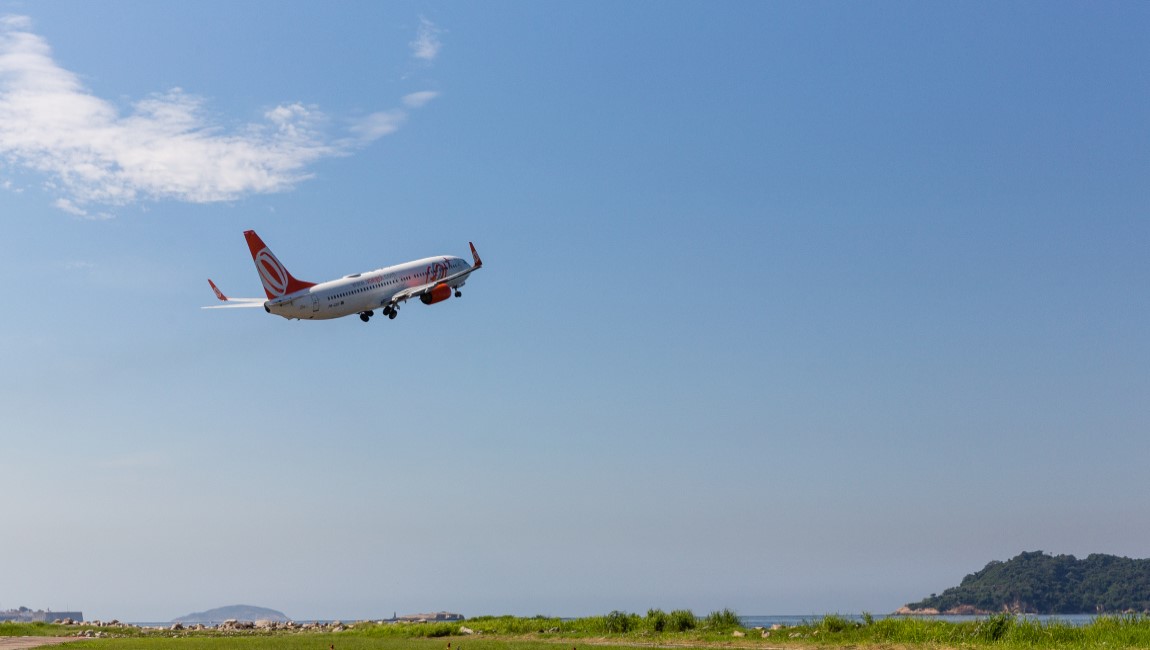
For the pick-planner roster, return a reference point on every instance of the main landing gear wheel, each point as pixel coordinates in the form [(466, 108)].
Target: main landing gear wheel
[(366, 315), (458, 293), (392, 315)]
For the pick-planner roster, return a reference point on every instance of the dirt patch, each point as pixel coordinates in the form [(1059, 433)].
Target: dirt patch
[(25, 642)]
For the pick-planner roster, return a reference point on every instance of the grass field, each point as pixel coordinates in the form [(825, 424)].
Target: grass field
[(620, 630)]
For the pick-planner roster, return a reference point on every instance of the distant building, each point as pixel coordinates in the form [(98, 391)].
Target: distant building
[(428, 618), (25, 615)]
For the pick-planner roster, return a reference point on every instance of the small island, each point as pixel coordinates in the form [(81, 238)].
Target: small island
[(233, 612), (1038, 583)]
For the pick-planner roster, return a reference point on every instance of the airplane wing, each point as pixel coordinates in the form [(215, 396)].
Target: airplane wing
[(233, 303), (454, 280), (415, 292)]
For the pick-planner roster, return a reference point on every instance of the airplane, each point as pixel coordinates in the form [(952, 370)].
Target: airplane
[(431, 279)]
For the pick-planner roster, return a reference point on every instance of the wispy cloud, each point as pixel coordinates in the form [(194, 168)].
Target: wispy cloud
[(166, 146), (378, 125), (416, 100), (426, 45), (69, 206)]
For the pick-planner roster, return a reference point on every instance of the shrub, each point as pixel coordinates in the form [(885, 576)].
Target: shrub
[(656, 620), (682, 620), (618, 622), (835, 624), (724, 620)]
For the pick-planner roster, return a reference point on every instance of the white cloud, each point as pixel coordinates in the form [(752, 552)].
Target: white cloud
[(15, 22), (67, 205), (166, 147), (416, 100), (426, 45), (378, 125), (71, 208)]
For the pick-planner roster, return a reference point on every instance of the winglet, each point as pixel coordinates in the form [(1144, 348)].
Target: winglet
[(219, 294), (475, 256)]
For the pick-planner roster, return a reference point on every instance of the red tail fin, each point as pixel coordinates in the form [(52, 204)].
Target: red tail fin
[(475, 256), (274, 275)]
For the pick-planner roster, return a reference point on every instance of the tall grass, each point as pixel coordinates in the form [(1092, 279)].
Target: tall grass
[(678, 628), (39, 628), (724, 620), (998, 631), (615, 623)]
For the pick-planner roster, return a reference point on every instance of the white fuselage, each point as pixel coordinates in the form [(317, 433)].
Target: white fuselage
[(364, 292)]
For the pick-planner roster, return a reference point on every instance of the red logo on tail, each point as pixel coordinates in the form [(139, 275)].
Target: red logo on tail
[(274, 275)]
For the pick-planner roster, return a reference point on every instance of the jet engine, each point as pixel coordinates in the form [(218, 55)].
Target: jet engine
[(438, 293)]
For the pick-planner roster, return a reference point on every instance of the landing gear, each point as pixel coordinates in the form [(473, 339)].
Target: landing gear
[(458, 293), (366, 315), (391, 311)]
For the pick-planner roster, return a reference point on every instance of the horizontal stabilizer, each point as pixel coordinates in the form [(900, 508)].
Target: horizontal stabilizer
[(231, 303), (236, 303)]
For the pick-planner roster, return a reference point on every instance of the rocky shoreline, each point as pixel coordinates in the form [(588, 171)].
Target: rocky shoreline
[(115, 628), (962, 610)]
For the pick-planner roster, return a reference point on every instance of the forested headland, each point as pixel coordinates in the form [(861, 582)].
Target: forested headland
[(1038, 583)]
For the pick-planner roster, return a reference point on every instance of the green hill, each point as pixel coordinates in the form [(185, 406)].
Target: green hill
[(1037, 583)]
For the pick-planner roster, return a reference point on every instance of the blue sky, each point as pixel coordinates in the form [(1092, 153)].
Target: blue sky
[(786, 307)]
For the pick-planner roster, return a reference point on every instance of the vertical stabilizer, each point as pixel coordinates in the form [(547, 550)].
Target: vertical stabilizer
[(276, 279)]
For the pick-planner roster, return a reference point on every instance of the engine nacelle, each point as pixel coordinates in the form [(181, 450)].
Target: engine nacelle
[(438, 293)]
